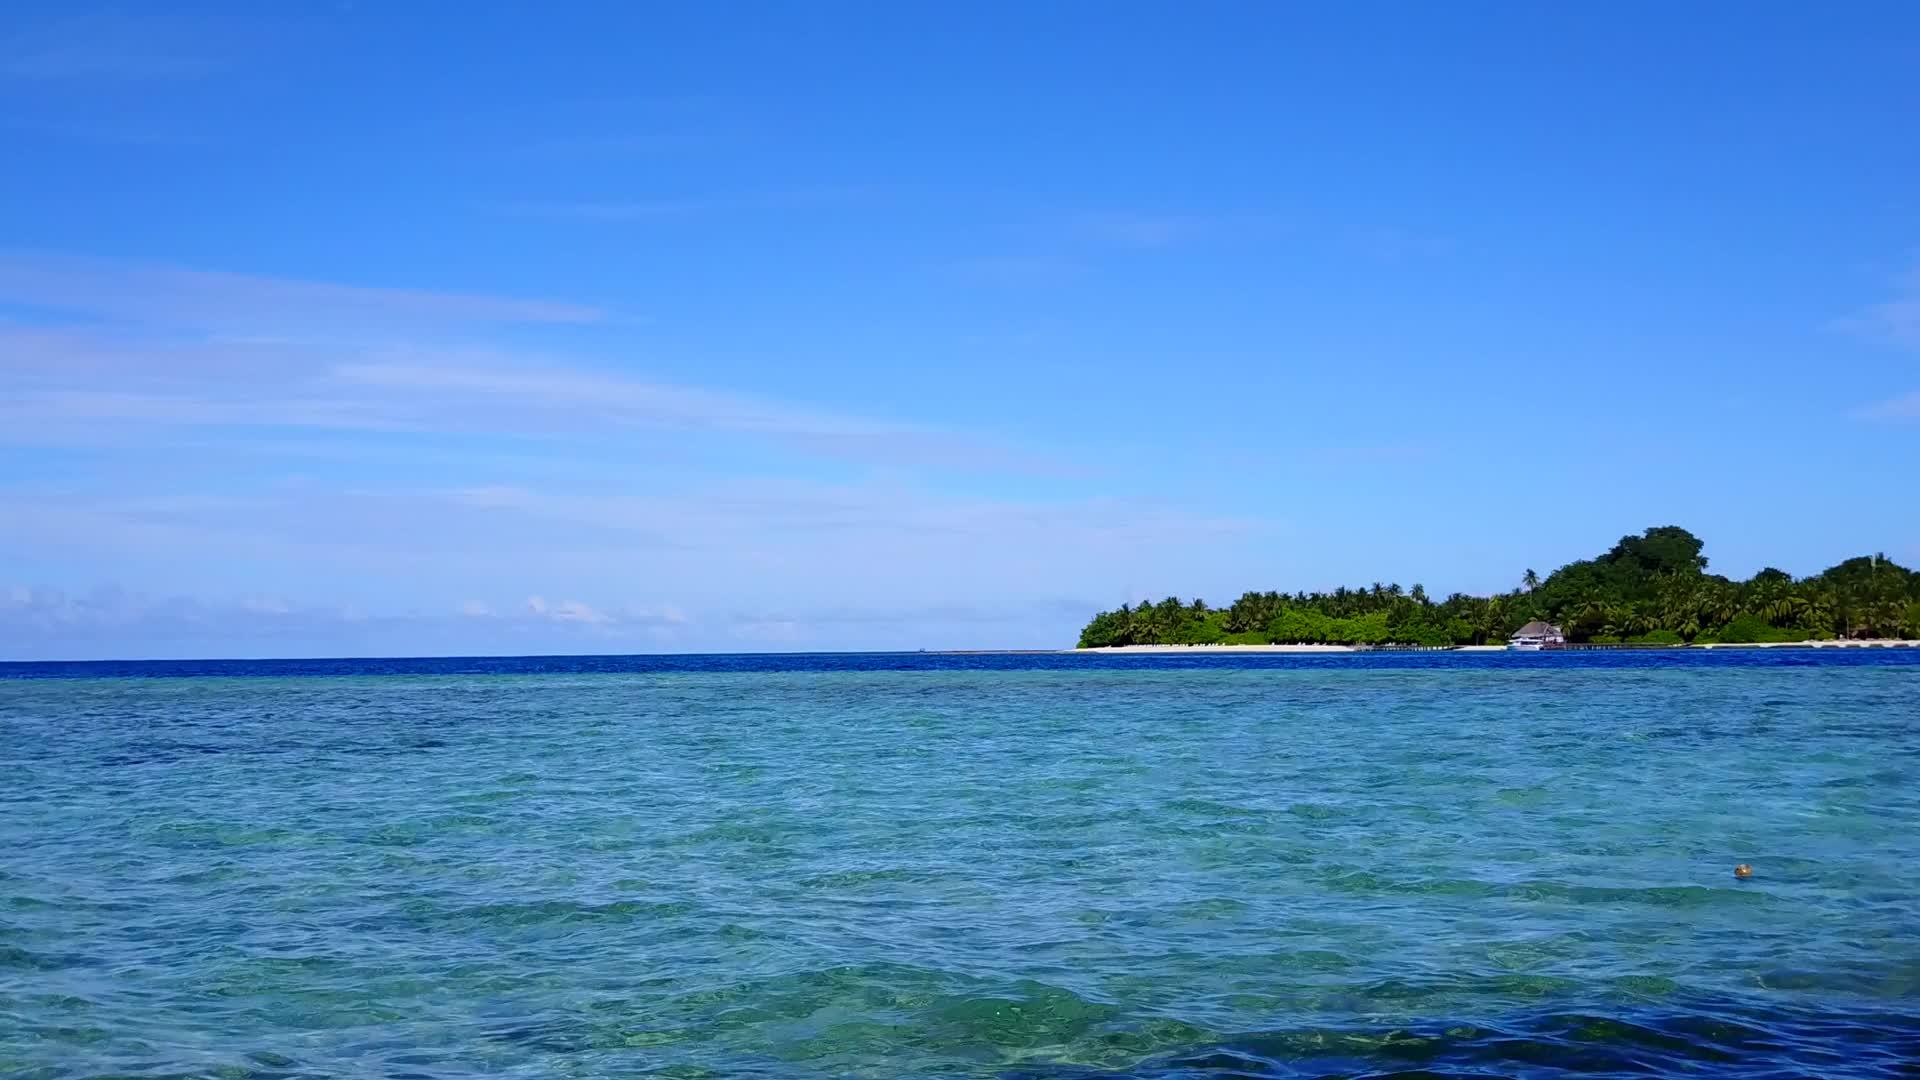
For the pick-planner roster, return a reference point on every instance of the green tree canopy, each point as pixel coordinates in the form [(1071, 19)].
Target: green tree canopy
[(1652, 587)]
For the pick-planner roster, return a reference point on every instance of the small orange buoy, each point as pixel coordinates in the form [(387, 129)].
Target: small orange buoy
[(1743, 871)]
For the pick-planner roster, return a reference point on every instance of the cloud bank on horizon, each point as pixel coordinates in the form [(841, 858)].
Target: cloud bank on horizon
[(931, 336)]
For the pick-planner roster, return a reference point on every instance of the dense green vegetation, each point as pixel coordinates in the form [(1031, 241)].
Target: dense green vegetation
[(1651, 588)]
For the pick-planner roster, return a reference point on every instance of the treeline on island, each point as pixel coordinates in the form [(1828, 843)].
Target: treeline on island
[(1653, 588)]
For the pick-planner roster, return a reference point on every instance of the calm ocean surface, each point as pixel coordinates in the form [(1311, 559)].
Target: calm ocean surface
[(929, 866)]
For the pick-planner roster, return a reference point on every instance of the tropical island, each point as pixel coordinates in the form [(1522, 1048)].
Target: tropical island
[(1650, 589)]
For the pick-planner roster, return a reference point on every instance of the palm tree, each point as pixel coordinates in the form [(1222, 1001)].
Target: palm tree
[(1628, 619), (1788, 609), (1530, 579), (1718, 605), (1820, 613), (1884, 611), (1843, 612)]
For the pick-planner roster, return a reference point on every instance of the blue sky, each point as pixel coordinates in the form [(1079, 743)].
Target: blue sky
[(386, 329)]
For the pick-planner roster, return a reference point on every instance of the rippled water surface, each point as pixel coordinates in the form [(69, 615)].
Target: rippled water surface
[(963, 867)]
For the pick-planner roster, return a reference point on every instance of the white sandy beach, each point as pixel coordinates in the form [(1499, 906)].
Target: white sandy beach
[(1184, 649), (1878, 643), (1859, 643)]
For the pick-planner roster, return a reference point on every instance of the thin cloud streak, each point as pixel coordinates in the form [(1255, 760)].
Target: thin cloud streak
[(845, 564), (171, 296), (625, 143), (1017, 271), (1144, 231), (54, 380), (1904, 407), (109, 135), (87, 407), (656, 209), (49, 624), (637, 210), (741, 527), (617, 399), (745, 514), (106, 46), (1895, 321)]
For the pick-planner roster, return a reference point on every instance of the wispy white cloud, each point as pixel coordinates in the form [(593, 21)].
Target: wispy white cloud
[(45, 608), (1017, 271), (171, 296), (107, 46), (1895, 320), (639, 563), (1395, 244), (566, 611), (609, 210), (600, 112), (51, 624), (621, 143), (187, 372), (1062, 248), (587, 394), (752, 622), (763, 524), (805, 545), (1904, 407), (63, 384), (69, 409), (658, 208), (578, 612), (1376, 454), (904, 627), (119, 133), (33, 619), (1145, 231)]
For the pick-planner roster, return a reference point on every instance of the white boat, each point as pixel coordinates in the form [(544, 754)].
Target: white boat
[(1535, 636)]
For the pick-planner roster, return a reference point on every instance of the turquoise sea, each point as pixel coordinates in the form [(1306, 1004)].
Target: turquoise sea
[(982, 866)]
